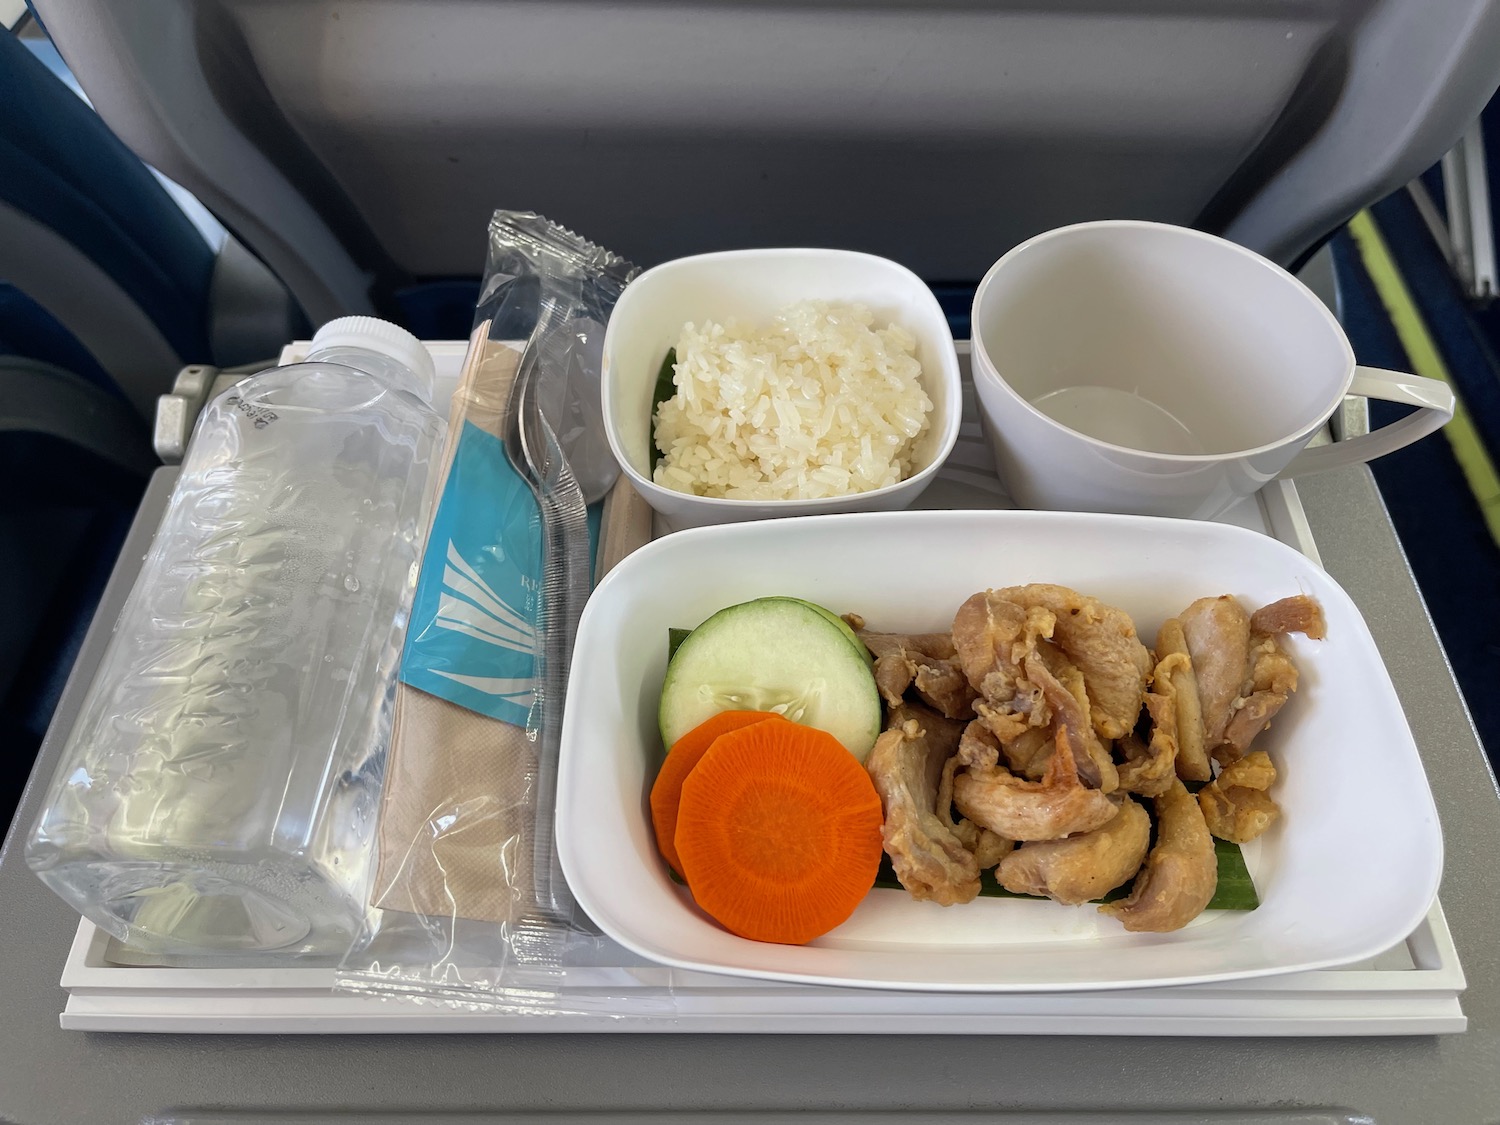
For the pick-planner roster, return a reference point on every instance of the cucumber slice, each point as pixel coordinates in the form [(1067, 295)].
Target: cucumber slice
[(675, 637), (839, 623), (773, 654)]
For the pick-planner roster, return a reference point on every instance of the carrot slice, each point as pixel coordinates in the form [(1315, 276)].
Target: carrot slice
[(778, 832), (686, 752)]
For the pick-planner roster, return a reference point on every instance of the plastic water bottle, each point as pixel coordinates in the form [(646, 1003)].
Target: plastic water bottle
[(219, 791)]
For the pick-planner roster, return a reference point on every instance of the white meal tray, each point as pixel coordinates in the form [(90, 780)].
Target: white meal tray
[(1411, 989)]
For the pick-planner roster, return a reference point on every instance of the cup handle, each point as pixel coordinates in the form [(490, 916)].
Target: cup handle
[(1433, 398)]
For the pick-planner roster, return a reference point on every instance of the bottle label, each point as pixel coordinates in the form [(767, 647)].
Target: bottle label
[(259, 416)]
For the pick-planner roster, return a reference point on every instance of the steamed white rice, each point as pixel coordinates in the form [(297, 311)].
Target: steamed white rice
[(815, 404)]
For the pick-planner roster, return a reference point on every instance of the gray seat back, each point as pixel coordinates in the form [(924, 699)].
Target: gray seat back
[(364, 144)]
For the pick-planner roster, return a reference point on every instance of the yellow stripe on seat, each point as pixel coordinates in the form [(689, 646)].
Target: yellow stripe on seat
[(1468, 449)]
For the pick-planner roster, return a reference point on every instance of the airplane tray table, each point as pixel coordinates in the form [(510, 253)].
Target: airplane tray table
[(52, 1074), (1410, 989)]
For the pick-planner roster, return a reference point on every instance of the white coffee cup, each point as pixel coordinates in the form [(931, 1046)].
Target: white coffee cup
[(1138, 367)]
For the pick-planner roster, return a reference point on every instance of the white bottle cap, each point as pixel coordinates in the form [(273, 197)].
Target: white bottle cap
[(381, 337)]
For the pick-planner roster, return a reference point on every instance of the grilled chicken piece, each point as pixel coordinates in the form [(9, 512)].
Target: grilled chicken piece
[(1217, 631), (925, 661), (941, 684), (1026, 683), (992, 638), (1081, 868), (936, 645), (1174, 678), (1057, 806), (1149, 768), (1064, 690), (988, 847), (1271, 680), (978, 746), (1236, 806), (1180, 874), (1101, 641), (1028, 755), (945, 732), (1297, 614), (1244, 676), (906, 765)]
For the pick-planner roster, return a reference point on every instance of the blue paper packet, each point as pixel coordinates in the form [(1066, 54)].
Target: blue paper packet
[(473, 633), (472, 639)]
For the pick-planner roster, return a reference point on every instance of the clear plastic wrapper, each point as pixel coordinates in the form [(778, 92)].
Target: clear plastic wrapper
[(470, 906)]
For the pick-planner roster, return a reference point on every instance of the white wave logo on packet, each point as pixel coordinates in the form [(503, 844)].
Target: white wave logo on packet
[(468, 606)]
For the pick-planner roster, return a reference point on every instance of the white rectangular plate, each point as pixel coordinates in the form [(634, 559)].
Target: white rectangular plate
[(1348, 871)]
